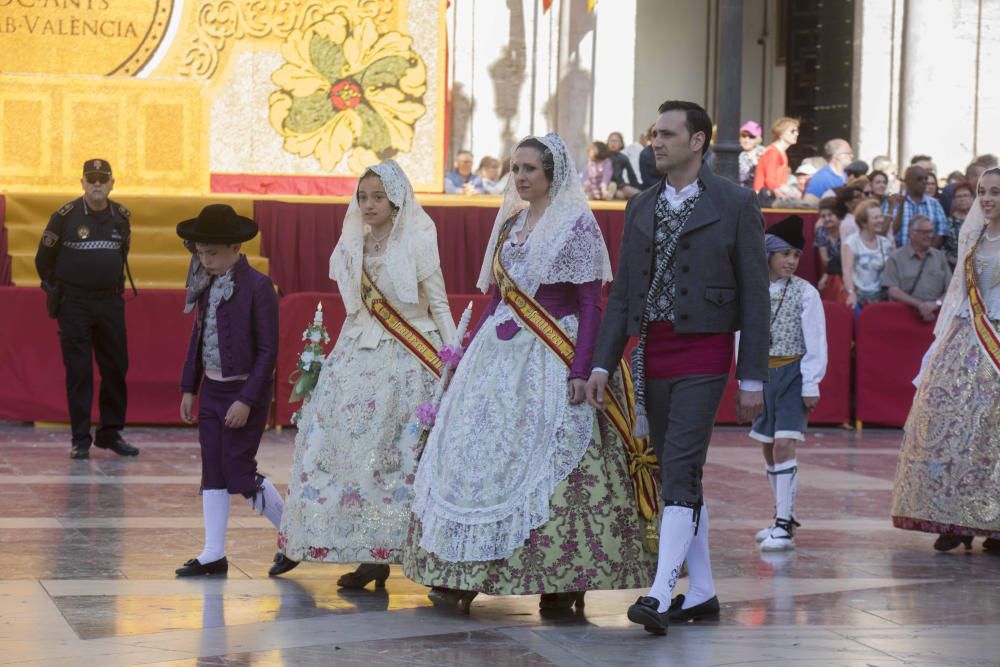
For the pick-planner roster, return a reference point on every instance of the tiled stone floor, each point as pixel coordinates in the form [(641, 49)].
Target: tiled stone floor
[(88, 549)]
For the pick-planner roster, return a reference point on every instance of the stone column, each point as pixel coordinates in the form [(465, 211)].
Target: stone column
[(727, 147)]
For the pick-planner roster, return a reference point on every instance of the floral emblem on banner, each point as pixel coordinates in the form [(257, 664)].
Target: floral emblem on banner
[(347, 91)]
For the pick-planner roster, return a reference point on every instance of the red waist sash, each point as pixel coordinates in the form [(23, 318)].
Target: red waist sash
[(670, 354)]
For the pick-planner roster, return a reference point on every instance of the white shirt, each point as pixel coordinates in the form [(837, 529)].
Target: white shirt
[(675, 198), (813, 364)]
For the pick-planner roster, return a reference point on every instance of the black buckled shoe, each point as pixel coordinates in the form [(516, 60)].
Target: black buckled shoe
[(707, 610), (118, 446), (282, 564), (79, 452), (195, 568), (644, 612)]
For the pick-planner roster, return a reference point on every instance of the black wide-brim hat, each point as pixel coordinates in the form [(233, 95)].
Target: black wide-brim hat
[(217, 224), (789, 230)]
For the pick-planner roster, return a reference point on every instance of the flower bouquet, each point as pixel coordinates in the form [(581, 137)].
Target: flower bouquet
[(303, 379), (450, 355)]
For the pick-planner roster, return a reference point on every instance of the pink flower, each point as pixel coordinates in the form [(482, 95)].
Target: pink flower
[(318, 553), (427, 414), (380, 553), (450, 355)]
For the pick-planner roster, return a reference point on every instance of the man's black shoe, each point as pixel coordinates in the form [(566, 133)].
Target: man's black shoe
[(644, 612), (118, 446), (79, 452), (195, 568), (282, 564), (707, 610)]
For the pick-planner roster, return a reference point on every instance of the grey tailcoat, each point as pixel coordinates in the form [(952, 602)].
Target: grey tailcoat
[(721, 280)]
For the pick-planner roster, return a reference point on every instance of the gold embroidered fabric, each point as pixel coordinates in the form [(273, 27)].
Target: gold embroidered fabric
[(948, 478)]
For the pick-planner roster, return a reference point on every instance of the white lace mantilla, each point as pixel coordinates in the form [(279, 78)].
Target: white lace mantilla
[(505, 437), (411, 254), (567, 243)]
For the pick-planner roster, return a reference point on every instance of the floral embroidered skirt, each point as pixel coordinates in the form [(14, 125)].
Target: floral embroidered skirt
[(351, 484), (593, 540), (948, 479)]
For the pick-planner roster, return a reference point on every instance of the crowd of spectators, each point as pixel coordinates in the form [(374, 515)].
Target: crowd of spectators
[(879, 235)]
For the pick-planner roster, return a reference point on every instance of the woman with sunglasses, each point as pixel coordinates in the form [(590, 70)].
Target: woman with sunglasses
[(772, 168)]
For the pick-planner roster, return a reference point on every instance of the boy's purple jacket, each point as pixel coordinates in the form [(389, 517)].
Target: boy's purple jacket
[(248, 336)]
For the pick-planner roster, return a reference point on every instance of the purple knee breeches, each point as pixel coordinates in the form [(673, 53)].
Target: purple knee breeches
[(228, 455)]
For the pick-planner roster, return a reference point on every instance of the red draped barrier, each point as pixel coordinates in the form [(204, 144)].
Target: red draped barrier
[(31, 363), (835, 390), (890, 342), (298, 239), (298, 310)]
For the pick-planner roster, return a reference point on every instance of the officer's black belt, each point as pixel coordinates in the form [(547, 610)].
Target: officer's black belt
[(70, 290)]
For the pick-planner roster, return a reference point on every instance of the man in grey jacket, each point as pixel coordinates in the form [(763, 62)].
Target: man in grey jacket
[(692, 271)]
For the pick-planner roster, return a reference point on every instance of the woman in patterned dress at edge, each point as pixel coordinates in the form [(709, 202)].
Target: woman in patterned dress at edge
[(948, 478), (355, 455), (522, 488)]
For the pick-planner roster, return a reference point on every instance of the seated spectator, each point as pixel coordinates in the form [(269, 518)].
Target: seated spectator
[(792, 196), (864, 256), (880, 185), (597, 174), (647, 163), (827, 241), (751, 137), (972, 174), (772, 167), (962, 197), (803, 173), (845, 199), (625, 182), (838, 154), (461, 180), (883, 164), (490, 180), (856, 169), (634, 149), (914, 201), (918, 274)]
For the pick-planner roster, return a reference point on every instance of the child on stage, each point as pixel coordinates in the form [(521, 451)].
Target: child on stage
[(797, 363), (231, 358)]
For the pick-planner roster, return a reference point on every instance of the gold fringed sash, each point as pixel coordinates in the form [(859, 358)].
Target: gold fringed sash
[(620, 410), (397, 326), (986, 333)]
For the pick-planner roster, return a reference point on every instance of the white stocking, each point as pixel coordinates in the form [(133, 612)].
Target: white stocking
[(215, 512), (700, 588), (786, 479), (676, 533), (267, 501)]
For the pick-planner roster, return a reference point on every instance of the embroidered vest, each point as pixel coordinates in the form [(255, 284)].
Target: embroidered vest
[(787, 337), (668, 223)]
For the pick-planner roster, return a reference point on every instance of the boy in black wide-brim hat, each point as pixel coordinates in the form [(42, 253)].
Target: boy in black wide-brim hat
[(231, 359), (796, 365)]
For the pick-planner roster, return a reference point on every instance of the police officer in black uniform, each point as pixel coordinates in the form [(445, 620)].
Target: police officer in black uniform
[(81, 261)]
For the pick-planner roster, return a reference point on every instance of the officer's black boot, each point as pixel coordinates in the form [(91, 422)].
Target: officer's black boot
[(117, 445)]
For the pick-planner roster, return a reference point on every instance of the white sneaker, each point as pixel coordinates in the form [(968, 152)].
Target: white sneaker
[(762, 534), (781, 537)]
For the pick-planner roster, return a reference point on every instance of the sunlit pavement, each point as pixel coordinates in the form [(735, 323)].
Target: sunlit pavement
[(88, 550)]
